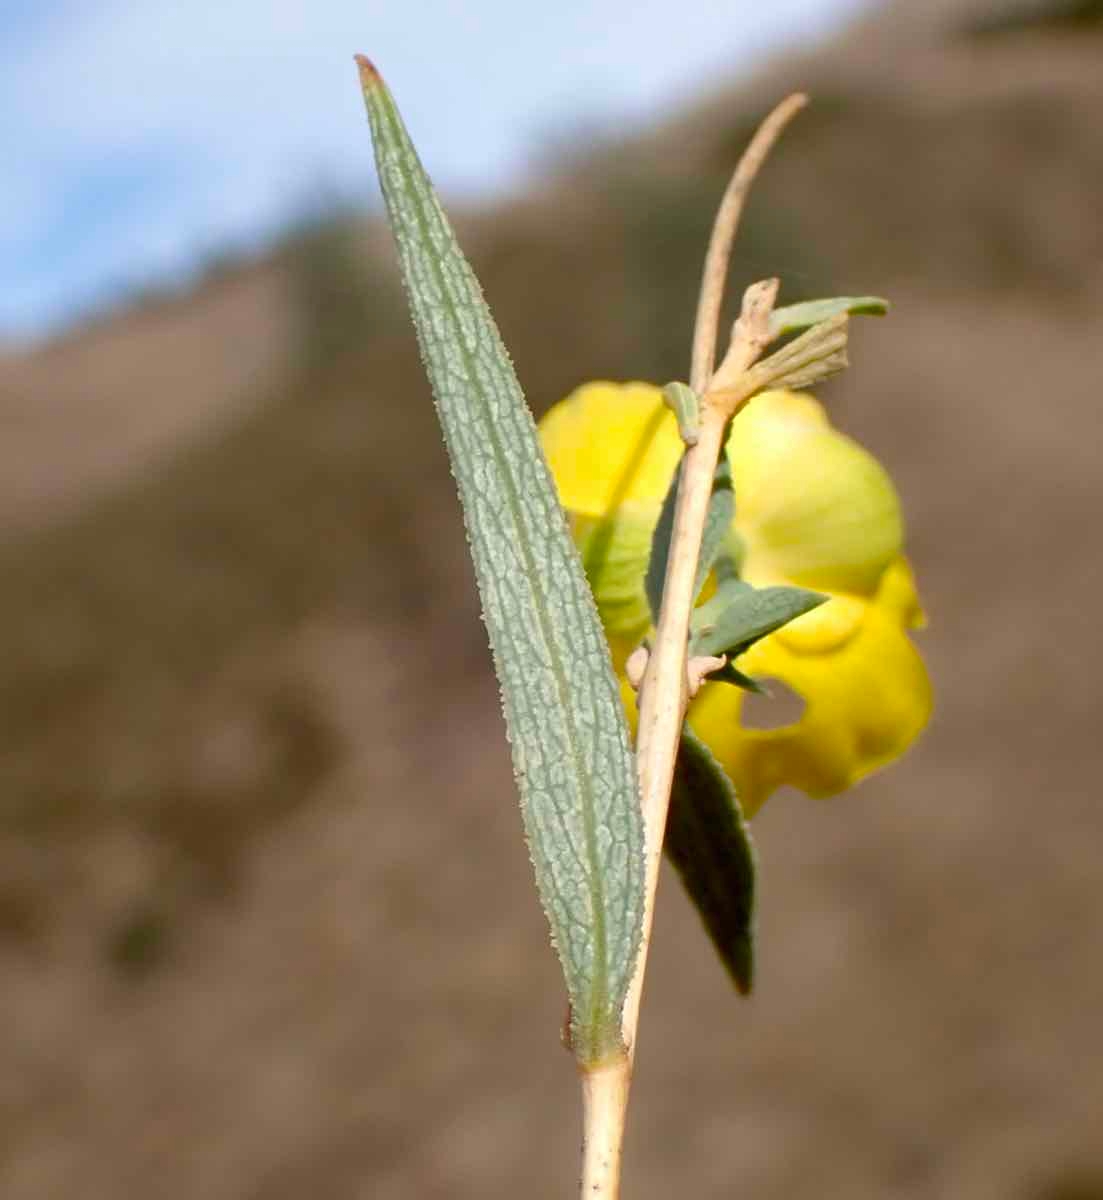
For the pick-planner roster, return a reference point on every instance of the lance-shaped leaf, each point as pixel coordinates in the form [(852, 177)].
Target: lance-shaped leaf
[(708, 843), (738, 615), (571, 753), (794, 317)]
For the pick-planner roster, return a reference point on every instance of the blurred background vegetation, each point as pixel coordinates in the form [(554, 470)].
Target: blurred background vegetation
[(266, 923)]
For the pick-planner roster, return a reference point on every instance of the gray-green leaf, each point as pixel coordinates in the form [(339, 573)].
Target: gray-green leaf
[(571, 753), (708, 843), (738, 615), (794, 317), (684, 402)]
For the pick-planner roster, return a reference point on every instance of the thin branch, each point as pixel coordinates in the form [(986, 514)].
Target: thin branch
[(604, 1107), (723, 235), (750, 336), (663, 693), (667, 683)]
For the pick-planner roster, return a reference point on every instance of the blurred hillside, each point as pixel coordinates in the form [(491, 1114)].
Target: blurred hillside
[(266, 922)]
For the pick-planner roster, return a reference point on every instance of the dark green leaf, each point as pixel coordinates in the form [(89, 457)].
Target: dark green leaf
[(708, 843), (731, 674)]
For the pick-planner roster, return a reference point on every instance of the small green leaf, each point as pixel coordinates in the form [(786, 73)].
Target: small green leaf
[(729, 589), (718, 521), (730, 674), (737, 616), (708, 843), (571, 754), (683, 401), (803, 316)]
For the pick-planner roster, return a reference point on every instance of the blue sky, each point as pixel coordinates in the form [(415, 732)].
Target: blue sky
[(143, 135)]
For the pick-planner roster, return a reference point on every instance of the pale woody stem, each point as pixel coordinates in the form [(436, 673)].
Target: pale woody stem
[(715, 274), (662, 701), (663, 690), (604, 1108)]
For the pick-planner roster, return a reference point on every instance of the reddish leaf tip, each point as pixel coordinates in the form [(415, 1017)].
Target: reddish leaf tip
[(369, 76)]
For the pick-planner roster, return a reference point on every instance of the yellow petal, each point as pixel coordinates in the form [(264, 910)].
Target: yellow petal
[(812, 506), (867, 699), (608, 444), (897, 594)]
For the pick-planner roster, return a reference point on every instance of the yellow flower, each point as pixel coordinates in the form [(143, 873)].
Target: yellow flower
[(812, 508)]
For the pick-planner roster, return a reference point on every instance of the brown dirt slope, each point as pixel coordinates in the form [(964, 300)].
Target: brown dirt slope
[(83, 414), (267, 925)]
